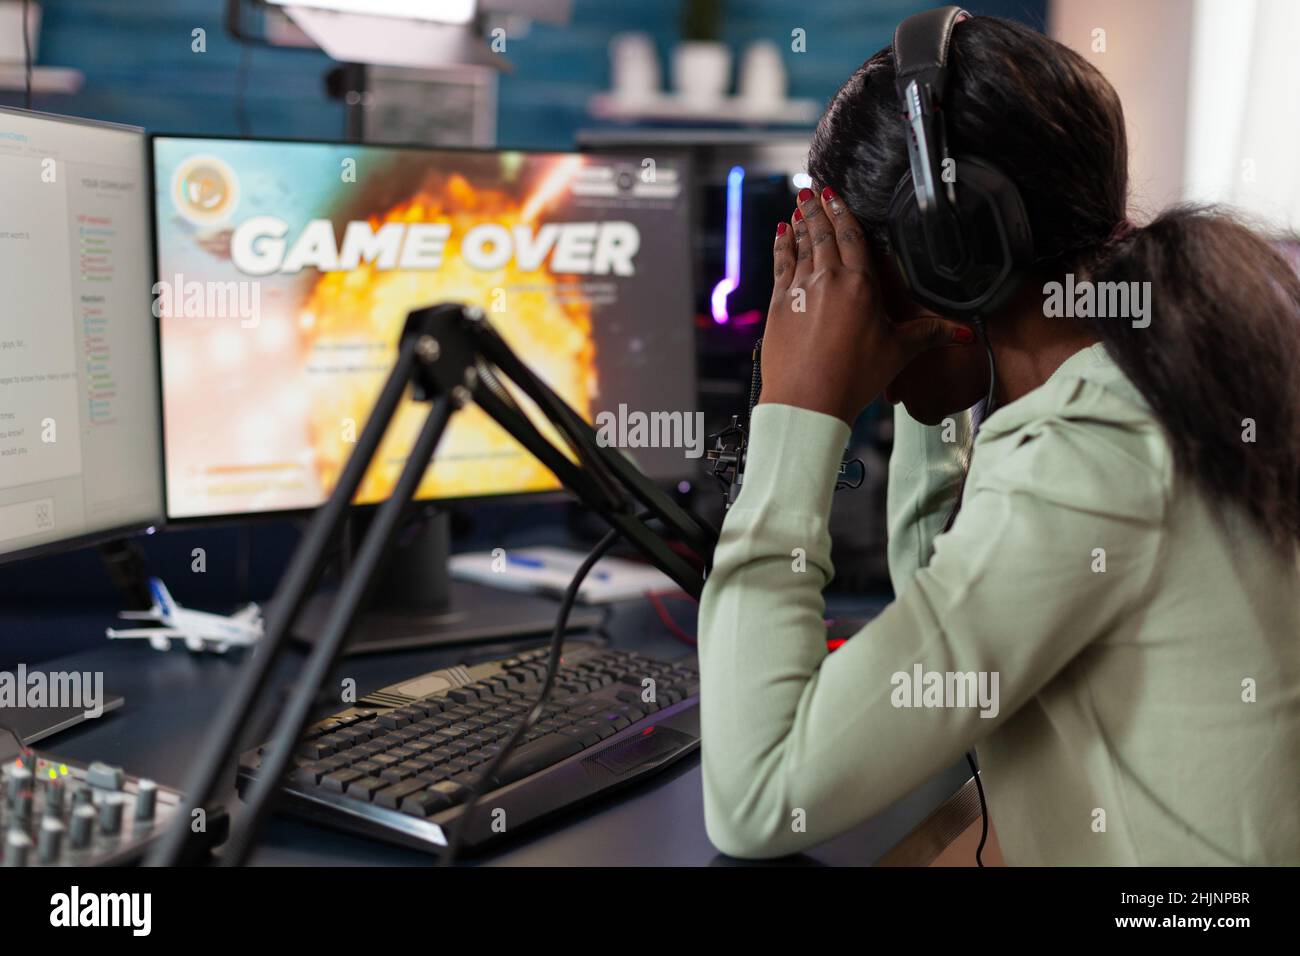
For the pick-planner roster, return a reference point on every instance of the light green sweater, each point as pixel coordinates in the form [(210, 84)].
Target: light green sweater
[(1145, 640)]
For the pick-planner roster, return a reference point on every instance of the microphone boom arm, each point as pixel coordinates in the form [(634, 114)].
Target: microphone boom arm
[(449, 355)]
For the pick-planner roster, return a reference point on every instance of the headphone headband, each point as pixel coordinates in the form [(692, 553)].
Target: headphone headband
[(921, 73), (961, 237), (921, 46)]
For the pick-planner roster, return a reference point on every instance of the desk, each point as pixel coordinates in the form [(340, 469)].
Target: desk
[(171, 697)]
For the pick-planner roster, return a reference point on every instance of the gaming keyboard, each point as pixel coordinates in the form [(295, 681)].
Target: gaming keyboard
[(399, 764), (57, 812)]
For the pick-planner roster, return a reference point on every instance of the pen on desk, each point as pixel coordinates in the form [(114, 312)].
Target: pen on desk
[(528, 561)]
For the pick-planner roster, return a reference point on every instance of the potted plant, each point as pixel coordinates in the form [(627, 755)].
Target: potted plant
[(701, 61)]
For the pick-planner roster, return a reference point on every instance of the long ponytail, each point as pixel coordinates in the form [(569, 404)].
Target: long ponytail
[(1219, 361)]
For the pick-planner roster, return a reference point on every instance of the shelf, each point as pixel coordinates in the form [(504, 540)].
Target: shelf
[(672, 108), (45, 79)]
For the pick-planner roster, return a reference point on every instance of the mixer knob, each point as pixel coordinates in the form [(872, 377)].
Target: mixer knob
[(54, 794), (22, 807), (17, 845), (110, 813), (146, 800), (105, 776), (51, 839), (83, 823), (18, 779)]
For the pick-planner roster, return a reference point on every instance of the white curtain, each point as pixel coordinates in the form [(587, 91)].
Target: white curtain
[(1243, 109)]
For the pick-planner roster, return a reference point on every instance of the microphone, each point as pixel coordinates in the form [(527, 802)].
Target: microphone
[(730, 444)]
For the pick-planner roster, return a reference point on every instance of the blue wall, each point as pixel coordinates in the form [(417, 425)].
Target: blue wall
[(139, 68)]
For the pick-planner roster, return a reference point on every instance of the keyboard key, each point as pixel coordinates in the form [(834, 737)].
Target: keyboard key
[(588, 737), (469, 780), (454, 792), (307, 774), (396, 774), (320, 728), (339, 779), (616, 720), (392, 796), (601, 728), (366, 787), (425, 803), (535, 756)]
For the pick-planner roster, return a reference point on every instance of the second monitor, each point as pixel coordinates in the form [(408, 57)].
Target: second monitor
[(287, 269)]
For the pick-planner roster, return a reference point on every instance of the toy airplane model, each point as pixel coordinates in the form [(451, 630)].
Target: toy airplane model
[(200, 630)]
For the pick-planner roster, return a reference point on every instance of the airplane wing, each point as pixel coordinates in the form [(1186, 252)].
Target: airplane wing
[(144, 632), (138, 615), (247, 614)]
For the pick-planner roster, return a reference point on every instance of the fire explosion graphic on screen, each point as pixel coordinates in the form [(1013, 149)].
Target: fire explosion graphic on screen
[(347, 311)]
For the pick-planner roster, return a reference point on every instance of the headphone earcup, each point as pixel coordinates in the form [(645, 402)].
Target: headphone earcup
[(995, 239)]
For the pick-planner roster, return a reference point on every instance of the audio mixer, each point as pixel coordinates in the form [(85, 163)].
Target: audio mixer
[(64, 813)]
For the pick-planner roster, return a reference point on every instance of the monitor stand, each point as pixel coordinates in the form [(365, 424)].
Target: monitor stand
[(417, 604)]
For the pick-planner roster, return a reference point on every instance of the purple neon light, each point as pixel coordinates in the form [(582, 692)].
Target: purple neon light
[(729, 282)]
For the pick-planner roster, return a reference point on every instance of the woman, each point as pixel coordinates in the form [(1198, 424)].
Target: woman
[(1121, 574)]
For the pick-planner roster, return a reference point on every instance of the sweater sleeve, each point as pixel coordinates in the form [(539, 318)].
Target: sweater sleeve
[(926, 468), (800, 745)]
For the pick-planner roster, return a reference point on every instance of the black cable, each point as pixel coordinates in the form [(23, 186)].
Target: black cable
[(27, 56), (993, 372), (970, 756), (535, 715), (984, 808)]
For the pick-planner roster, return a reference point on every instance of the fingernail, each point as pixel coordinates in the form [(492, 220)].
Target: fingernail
[(963, 336), (798, 214), (804, 195), (781, 227), (828, 194)]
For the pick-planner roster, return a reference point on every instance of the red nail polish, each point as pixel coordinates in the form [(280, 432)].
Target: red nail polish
[(798, 215), (805, 194), (828, 194), (963, 335), (781, 227)]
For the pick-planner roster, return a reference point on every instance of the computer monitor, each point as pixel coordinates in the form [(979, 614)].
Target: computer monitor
[(80, 433), (287, 270)]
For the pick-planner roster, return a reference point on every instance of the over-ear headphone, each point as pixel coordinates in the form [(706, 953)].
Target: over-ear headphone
[(957, 225)]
